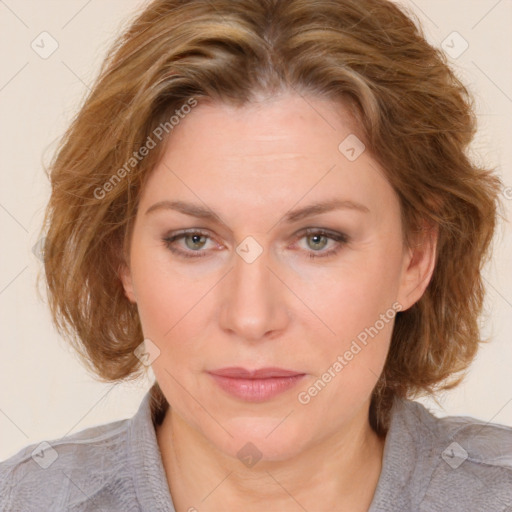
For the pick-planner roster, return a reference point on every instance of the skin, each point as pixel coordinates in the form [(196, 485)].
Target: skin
[(251, 166)]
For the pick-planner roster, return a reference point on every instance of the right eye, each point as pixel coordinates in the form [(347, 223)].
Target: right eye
[(194, 240)]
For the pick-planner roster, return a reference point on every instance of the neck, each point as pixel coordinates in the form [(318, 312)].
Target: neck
[(338, 473)]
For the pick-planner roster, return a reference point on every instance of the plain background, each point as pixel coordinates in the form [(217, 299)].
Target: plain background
[(45, 393)]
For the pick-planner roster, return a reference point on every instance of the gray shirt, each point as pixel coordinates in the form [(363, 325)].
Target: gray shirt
[(430, 464)]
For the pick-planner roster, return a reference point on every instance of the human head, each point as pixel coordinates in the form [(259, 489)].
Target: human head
[(414, 117)]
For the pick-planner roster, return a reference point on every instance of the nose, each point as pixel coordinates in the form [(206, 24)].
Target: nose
[(254, 300)]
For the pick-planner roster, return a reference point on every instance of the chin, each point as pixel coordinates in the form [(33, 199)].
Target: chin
[(264, 439)]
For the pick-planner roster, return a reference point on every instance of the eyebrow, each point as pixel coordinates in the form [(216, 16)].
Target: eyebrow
[(201, 212)]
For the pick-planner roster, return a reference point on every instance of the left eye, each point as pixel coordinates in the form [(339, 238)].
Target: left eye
[(316, 238)]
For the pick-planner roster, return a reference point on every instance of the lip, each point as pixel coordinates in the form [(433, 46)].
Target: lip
[(255, 385), (260, 373)]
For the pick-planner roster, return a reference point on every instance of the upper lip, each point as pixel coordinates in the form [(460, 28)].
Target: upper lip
[(260, 373)]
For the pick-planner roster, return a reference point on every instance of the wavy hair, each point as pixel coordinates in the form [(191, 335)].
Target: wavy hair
[(414, 115)]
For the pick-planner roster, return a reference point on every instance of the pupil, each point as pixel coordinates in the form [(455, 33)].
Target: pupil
[(316, 238), (195, 239)]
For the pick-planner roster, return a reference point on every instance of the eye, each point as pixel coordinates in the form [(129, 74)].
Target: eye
[(319, 238), (195, 241)]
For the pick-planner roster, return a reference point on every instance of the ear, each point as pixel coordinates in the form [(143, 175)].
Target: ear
[(126, 278), (418, 267)]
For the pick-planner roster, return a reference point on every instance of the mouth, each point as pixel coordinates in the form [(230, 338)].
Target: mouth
[(257, 385)]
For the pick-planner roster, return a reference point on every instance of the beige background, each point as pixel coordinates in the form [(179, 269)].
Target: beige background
[(44, 392)]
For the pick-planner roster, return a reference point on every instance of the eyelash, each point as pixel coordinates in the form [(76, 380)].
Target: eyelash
[(340, 238)]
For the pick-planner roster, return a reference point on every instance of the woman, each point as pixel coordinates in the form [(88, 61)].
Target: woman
[(270, 203)]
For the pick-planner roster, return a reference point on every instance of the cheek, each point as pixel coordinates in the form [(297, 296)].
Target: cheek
[(162, 298), (174, 311), (351, 352), (354, 317), (352, 295)]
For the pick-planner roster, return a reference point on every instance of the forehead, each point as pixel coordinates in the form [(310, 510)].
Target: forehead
[(274, 153), (283, 127)]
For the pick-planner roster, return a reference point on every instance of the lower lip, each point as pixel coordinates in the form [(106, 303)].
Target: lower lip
[(256, 390)]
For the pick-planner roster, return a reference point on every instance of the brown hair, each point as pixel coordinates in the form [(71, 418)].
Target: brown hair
[(414, 115)]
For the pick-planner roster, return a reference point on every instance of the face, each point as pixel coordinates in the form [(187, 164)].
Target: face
[(257, 284)]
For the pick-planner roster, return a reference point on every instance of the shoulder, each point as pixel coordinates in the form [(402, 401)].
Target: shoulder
[(462, 463), (64, 473)]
